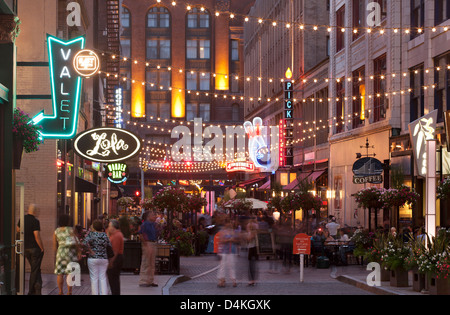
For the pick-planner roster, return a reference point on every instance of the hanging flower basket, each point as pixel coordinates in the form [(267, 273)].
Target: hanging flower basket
[(170, 198), (399, 197), (26, 136), (443, 189), (301, 200), (196, 203), (370, 198)]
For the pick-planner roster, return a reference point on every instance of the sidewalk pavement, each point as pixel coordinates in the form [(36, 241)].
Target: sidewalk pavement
[(201, 269)]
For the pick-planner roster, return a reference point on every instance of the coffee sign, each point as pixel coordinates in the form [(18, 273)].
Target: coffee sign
[(107, 145)]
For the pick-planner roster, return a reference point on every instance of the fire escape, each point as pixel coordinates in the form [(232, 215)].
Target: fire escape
[(112, 64)]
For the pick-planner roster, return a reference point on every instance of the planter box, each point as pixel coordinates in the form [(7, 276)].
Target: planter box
[(438, 286), (419, 280), (399, 278), (385, 274)]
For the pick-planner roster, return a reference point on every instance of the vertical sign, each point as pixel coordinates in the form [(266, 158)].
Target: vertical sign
[(420, 131), (65, 87), (118, 98), (281, 143), (288, 119)]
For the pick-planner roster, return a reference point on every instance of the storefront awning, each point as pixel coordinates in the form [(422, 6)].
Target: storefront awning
[(295, 182), (265, 186), (84, 186), (315, 175), (251, 182)]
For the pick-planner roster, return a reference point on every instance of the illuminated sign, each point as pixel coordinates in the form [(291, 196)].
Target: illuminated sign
[(288, 126), (420, 131), (107, 145), (367, 170), (118, 96), (117, 173), (281, 147), (65, 89), (240, 167), (86, 63), (229, 145)]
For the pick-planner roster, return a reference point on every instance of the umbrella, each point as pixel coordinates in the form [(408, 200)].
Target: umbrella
[(257, 204)]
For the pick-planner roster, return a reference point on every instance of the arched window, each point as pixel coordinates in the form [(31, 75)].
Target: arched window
[(159, 55), (198, 18), (125, 51)]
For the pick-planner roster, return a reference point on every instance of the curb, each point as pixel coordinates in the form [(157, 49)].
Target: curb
[(173, 281), (364, 286)]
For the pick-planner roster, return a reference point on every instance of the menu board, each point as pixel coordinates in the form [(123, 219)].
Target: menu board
[(265, 243)]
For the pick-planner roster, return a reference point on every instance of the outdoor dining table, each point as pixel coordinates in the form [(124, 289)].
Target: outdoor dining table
[(333, 248)]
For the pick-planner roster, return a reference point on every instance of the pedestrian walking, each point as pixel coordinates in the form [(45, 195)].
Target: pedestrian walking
[(252, 228), (149, 237), (227, 249), (115, 263), (97, 242), (34, 249), (67, 250)]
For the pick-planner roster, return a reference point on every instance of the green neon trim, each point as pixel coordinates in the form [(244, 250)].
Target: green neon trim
[(41, 116)]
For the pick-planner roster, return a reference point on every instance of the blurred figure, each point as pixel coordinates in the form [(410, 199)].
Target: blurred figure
[(115, 263), (251, 234), (34, 248), (227, 249)]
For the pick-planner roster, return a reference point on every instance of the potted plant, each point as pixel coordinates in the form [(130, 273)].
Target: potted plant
[(26, 136), (394, 259), (125, 202), (417, 247), (434, 262), (375, 253)]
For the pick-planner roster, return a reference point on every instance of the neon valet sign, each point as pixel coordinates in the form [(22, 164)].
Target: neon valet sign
[(229, 145), (69, 62), (420, 131)]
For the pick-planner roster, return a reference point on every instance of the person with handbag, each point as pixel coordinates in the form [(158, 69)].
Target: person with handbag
[(67, 248), (99, 245)]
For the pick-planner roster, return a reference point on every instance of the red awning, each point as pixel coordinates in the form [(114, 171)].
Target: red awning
[(265, 186), (296, 181), (251, 182), (315, 175)]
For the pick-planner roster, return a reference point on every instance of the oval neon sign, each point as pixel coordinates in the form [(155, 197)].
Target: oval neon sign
[(107, 145)]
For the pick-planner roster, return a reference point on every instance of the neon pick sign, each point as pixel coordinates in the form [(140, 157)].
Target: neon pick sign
[(67, 61)]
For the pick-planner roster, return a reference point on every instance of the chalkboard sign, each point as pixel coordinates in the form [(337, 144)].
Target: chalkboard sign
[(265, 243)]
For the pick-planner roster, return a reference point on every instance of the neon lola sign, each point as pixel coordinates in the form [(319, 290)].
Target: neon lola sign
[(107, 145), (262, 147)]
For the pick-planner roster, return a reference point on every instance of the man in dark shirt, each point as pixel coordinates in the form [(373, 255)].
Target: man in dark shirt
[(34, 249), (149, 238)]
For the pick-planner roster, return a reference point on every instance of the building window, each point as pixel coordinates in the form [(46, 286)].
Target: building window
[(234, 50), (359, 98), (442, 83), (359, 11), (156, 109), (379, 88), (197, 18), (340, 23), (417, 96), (158, 49), (125, 18), (202, 110), (417, 17), (441, 11), (158, 17), (340, 105), (158, 80), (125, 47), (198, 49)]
